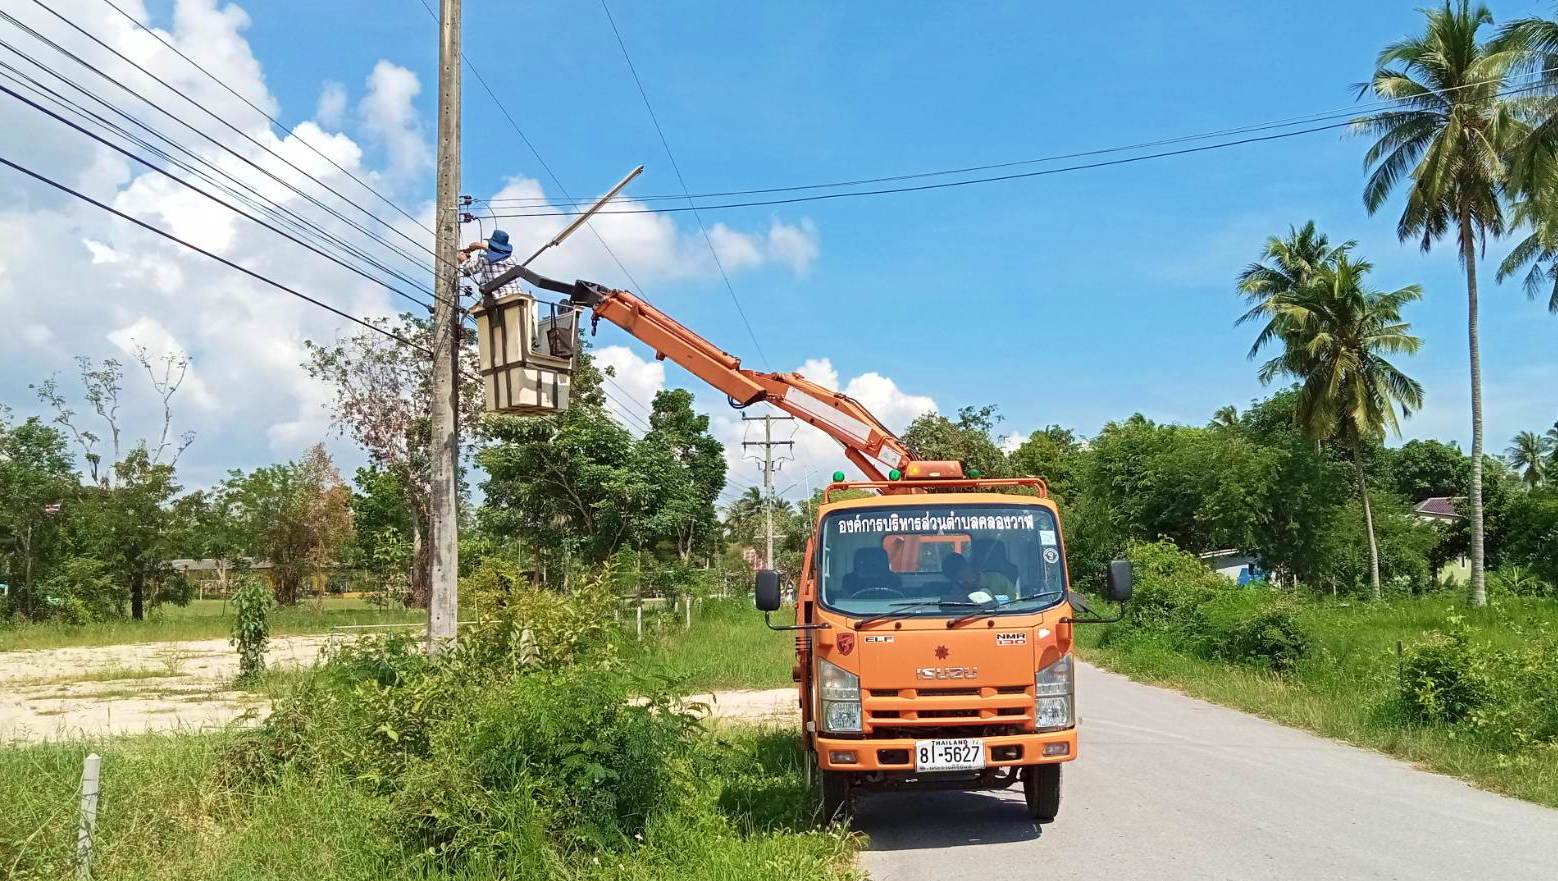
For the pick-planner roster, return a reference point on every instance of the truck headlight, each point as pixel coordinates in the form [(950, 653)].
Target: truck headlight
[(1054, 690), (839, 691)]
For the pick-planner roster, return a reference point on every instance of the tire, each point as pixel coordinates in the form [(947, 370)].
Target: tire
[(1041, 789), (835, 796)]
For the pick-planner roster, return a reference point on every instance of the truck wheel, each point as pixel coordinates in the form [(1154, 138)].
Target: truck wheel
[(835, 795), (1041, 789)]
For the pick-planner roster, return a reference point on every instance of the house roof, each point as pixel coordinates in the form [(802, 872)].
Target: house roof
[(1438, 507)]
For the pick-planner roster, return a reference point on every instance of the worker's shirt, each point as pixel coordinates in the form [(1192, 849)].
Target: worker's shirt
[(482, 270)]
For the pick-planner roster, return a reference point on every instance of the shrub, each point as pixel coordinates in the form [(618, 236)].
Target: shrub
[(1522, 705), (1444, 677), (1181, 602), (1254, 626), (1518, 581), (251, 627), (581, 757), (83, 592)]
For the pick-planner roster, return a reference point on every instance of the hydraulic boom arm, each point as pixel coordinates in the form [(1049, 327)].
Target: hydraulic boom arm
[(867, 443)]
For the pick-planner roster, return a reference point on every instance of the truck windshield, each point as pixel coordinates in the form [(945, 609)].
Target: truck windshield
[(937, 560)]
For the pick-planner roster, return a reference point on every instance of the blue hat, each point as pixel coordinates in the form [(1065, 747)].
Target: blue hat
[(498, 247)]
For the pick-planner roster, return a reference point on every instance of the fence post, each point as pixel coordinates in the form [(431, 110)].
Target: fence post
[(687, 603), (638, 614), (89, 790)]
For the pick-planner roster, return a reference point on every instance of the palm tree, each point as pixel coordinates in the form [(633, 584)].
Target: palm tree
[(1285, 265), (1226, 417), (1536, 210), (1529, 454), (1336, 334), (1552, 443), (1447, 134)]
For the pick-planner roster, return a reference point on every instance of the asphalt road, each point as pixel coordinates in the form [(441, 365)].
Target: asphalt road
[(1168, 787)]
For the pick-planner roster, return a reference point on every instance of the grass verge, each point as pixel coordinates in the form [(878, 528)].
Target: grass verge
[(166, 815), (1346, 688), (203, 619), (727, 647)]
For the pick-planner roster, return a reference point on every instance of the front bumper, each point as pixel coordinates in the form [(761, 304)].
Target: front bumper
[(897, 754)]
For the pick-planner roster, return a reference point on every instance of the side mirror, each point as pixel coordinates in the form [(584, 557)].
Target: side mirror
[(1122, 578), (767, 590)]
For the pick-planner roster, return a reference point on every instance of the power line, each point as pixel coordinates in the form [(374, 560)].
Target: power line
[(44, 179), (644, 94), (1288, 122), (228, 205), (948, 185), (982, 180), (246, 160), (274, 121), (259, 201)]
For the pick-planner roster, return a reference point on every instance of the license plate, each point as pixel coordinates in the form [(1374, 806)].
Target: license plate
[(961, 754)]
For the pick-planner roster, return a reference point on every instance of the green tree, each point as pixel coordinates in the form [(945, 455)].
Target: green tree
[(1448, 132), (1336, 336), (581, 488), (210, 529), (1530, 454), (37, 481), (297, 516), (1536, 211), (1052, 453), (382, 531), (380, 398), (1285, 267), (696, 461), (131, 526), (1531, 538), (967, 439), (1422, 469)]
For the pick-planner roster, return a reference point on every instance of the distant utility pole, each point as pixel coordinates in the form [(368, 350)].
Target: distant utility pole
[(444, 603), (768, 443)]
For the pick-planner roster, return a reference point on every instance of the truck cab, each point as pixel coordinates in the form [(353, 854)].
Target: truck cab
[(935, 642)]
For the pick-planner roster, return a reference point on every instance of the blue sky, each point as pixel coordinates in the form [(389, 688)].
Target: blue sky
[(1071, 299), (1074, 298)]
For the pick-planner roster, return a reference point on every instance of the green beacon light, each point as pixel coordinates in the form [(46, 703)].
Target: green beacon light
[(975, 473), (838, 477), (895, 474)]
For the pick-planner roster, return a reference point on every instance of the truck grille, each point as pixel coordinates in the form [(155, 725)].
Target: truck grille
[(918, 709)]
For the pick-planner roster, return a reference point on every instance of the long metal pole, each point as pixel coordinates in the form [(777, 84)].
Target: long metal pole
[(444, 602), (768, 488)]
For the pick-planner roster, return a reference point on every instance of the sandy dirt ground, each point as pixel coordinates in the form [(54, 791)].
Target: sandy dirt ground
[(53, 694), (56, 694), (757, 707)]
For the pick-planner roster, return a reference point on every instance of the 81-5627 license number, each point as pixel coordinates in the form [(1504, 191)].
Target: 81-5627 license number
[(960, 754)]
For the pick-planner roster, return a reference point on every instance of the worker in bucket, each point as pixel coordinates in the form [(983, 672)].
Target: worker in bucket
[(483, 259)]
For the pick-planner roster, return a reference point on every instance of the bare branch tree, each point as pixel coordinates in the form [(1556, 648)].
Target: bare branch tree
[(175, 367)]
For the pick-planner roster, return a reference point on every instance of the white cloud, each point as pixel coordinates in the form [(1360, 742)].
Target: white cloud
[(388, 115), (793, 246), (815, 456), (159, 344), (331, 108), (651, 246), (37, 335), (632, 385), (76, 281), (1011, 442), (101, 253)]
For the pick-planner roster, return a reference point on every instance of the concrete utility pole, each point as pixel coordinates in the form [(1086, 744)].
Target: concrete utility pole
[(444, 604), (768, 443)]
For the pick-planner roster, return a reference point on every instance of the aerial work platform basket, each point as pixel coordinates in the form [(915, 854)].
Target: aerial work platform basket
[(526, 350)]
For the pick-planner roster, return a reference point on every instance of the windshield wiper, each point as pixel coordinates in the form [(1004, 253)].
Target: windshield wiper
[(982, 613), (907, 605)]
